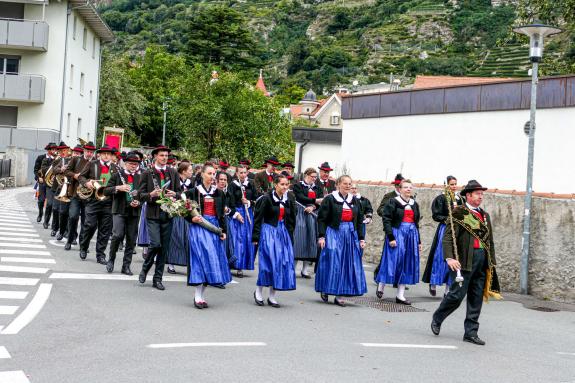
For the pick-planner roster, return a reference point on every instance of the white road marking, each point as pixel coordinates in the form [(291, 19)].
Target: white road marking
[(22, 245), (11, 220), (20, 226), (13, 377), (15, 233), (566, 353), (207, 344), (13, 294), (57, 243), (15, 216), (23, 269), (21, 239), (24, 252), (8, 310), (26, 260), (115, 277), (393, 345), (30, 312), (19, 281), (4, 354)]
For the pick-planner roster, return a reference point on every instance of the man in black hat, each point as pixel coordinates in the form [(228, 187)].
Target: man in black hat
[(61, 204), (264, 180), (323, 181), (45, 169), (392, 194), (77, 205), (159, 177), (98, 207), (39, 177), (468, 249), (123, 188), (52, 204)]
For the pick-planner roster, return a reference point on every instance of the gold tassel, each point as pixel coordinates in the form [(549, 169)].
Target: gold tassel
[(487, 292)]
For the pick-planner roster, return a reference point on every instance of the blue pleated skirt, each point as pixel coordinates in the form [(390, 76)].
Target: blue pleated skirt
[(240, 235), (400, 264), (439, 268), (143, 236), (305, 236), (179, 251), (339, 269), (208, 263), (276, 261)]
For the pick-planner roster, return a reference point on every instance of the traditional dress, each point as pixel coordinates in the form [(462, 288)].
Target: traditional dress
[(305, 239), (273, 231), (241, 233), (179, 251), (340, 269)]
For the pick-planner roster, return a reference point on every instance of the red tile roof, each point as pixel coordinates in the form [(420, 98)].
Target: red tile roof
[(261, 86)]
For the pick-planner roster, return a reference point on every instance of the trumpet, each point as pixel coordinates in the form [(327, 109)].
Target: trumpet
[(85, 193)]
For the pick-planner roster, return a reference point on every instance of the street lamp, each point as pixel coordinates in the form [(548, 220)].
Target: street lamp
[(165, 110), (536, 32)]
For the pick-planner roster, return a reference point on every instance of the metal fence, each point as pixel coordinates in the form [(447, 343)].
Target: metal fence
[(5, 167)]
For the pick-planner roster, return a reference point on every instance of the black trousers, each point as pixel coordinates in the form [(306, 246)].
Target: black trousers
[(160, 231), (124, 226), (49, 204), (98, 217), (41, 199), (63, 215), (75, 211), (473, 284)]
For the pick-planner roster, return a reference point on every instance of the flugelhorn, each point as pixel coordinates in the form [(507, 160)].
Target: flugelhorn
[(49, 177), (63, 196)]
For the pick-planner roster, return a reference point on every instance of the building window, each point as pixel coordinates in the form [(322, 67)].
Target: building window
[(334, 119), (9, 64), (68, 123), (71, 80), (94, 42), (79, 128), (82, 80), (85, 39), (91, 98), (74, 27)]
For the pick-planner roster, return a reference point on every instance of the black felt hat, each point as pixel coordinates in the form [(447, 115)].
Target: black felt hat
[(472, 186), (325, 167), (161, 148)]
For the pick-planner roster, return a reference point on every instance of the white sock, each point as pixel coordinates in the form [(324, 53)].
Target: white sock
[(446, 288), (305, 267), (401, 292), (433, 287), (380, 287), (259, 293), (273, 295), (198, 293)]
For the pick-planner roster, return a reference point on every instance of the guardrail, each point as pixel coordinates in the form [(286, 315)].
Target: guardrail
[(22, 87), (24, 34)]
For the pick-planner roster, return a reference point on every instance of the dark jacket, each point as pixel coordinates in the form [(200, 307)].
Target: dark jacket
[(148, 182), (219, 200), (393, 216), (301, 193), (329, 214), (120, 203), (385, 200), (326, 187), (77, 164), (38, 165), (262, 183), (236, 192), (366, 208), (46, 163), (58, 166), (268, 211)]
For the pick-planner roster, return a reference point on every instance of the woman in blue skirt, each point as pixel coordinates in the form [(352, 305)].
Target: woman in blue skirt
[(399, 263), (308, 196), (436, 270), (208, 264), (143, 236), (179, 252), (240, 228), (340, 270), (273, 234)]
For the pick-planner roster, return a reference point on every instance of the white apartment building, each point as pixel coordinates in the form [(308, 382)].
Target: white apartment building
[(49, 71)]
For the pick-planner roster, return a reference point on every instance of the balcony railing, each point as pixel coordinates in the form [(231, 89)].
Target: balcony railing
[(22, 87), (24, 34)]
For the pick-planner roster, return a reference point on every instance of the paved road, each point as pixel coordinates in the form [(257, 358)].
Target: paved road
[(60, 330)]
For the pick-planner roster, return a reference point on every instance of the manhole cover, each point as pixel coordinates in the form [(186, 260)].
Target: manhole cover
[(544, 309), (383, 305)]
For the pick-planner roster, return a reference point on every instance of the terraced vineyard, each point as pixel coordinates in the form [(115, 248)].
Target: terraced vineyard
[(507, 61)]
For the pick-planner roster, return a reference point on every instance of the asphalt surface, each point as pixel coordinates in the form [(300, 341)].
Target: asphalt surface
[(101, 330)]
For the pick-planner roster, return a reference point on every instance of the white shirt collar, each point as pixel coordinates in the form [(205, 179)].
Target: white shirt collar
[(338, 197), (357, 196), (160, 168), (104, 163), (411, 201), (276, 198), (471, 207), (205, 192), (240, 184)]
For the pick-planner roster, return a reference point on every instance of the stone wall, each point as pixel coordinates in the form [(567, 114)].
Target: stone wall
[(7, 182), (552, 266)]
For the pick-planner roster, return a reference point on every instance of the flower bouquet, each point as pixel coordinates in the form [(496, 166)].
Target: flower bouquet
[(185, 208)]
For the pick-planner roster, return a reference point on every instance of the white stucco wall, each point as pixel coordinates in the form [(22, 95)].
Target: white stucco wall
[(314, 154), (488, 146)]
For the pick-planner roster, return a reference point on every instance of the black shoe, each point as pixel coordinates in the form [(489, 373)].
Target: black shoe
[(276, 305), (259, 303), (435, 328), (158, 285), (39, 219), (379, 294), (240, 274), (101, 260), (45, 225), (59, 237), (474, 339), (126, 270), (198, 305), (142, 276), (433, 292), (67, 246), (405, 302), (171, 270), (324, 297), (110, 266), (305, 276), (338, 302), (220, 286), (53, 233), (83, 254)]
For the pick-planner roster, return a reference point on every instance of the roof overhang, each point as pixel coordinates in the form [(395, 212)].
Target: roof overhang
[(39, 2), (87, 10), (318, 135)]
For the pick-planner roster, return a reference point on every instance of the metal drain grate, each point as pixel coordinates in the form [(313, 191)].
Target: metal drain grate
[(544, 309), (383, 305)]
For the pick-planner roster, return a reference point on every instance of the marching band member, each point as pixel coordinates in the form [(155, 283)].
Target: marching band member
[(179, 251), (44, 168), (123, 187), (157, 179), (288, 167), (98, 210), (400, 258), (240, 228), (340, 269), (208, 264), (77, 205), (436, 270), (308, 197), (263, 181), (273, 234), (59, 208), (39, 177), (327, 184)]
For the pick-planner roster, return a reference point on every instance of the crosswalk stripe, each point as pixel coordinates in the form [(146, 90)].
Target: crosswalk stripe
[(13, 377), (13, 294), (30, 312), (8, 226), (23, 269), (17, 234), (8, 310), (21, 239), (4, 354), (9, 214), (23, 245), (19, 282), (24, 252), (26, 260)]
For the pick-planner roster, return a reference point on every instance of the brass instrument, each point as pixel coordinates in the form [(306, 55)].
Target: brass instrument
[(85, 193), (82, 141), (63, 196), (49, 178), (61, 178)]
